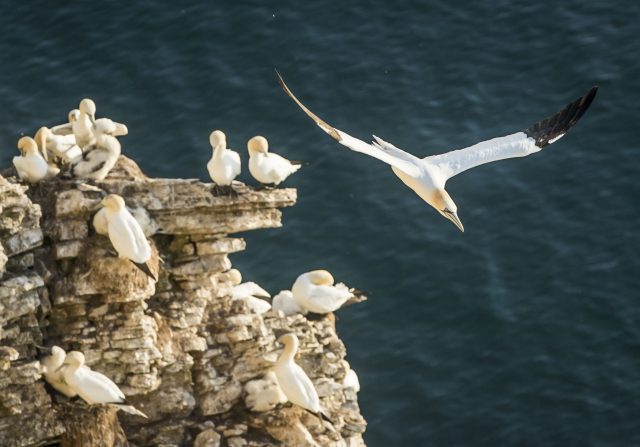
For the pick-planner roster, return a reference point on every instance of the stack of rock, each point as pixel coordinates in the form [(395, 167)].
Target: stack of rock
[(180, 349)]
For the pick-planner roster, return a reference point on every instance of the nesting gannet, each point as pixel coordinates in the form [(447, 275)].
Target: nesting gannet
[(62, 147), (428, 176), (92, 386), (51, 371), (112, 128), (315, 292), (98, 158), (249, 292), (31, 166), (125, 233), (293, 381), (351, 380), (224, 165), (67, 128), (266, 167), (285, 303), (83, 127), (264, 394)]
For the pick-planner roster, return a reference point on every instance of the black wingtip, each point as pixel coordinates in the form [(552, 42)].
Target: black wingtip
[(145, 268), (548, 130), (322, 415)]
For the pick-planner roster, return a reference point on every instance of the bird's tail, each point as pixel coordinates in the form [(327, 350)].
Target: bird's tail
[(551, 129), (130, 409), (145, 268)]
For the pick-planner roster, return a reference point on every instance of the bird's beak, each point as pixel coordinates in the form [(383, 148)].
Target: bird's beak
[(43, 348), (453, 217)]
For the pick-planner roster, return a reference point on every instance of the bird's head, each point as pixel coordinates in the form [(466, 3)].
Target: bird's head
[(258, 144), (27, 146), (113, 202), (445, 205), (217, 138), (87, 106), (73, 359), (73, 115), (288, 340), (321, 278)]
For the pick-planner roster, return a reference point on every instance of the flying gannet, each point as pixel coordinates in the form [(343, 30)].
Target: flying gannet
[(30, 165), (293, 381), (285, 303), (224, 165), (52, 374), (266, 167), (249, 292), (98, 158), (428, 176), (125, 233), (314, 291), (92, 386)]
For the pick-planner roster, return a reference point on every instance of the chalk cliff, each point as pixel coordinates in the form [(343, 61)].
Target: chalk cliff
[(180, 349)]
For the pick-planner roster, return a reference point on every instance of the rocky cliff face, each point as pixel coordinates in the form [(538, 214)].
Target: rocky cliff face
[(180, 349)]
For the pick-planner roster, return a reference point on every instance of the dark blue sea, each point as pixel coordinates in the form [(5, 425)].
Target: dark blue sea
[(524, 330)]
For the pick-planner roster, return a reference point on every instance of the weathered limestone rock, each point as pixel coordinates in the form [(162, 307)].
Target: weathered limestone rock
[(179, 348)]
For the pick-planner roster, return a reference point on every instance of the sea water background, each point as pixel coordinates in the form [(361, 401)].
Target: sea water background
[(523, 331)]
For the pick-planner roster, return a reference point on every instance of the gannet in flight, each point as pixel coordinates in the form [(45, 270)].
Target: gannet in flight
[(98, 158), (53, 375), (125, 233), (293, 381), (285, 303), (314, 291), (249, 292), (266, 167), (92, 386), (428, 176), (224, 165), (30, 165)]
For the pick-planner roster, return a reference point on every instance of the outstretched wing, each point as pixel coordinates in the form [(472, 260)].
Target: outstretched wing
[(381, 150), (519, 144)]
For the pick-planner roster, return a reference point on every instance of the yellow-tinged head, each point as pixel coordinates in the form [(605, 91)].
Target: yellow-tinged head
[(75, 114), (88, 106), (445, 205), (321, 278), (27, 146), (217, 138), (289, 340), (113, 202), (258, 144)]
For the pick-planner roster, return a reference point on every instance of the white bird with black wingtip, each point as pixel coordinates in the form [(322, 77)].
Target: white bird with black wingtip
[(428, 176), (266, 167)]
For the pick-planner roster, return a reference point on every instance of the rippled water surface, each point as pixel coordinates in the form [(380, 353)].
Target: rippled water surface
[(523, 331)]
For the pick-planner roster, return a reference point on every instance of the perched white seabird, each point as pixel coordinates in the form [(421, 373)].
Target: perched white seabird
[(428, 176), (52, 374), (98, 158), (83, 127), (125, 233), (92, 386), (266, 167), (285, 303), (31, 166), (264, 394), (112, 128), (351, 380), (315, 292), (250, 292), (293, 381), (67, 128), (224, 165)]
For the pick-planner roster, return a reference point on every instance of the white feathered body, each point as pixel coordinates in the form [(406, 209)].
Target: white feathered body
[(251, 293), (297, 386), (224, 166), (285, 303), (32, 168), (92, 386), (97, 162), (270, 168), (83, 130), (127, 237), (320, 299)]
